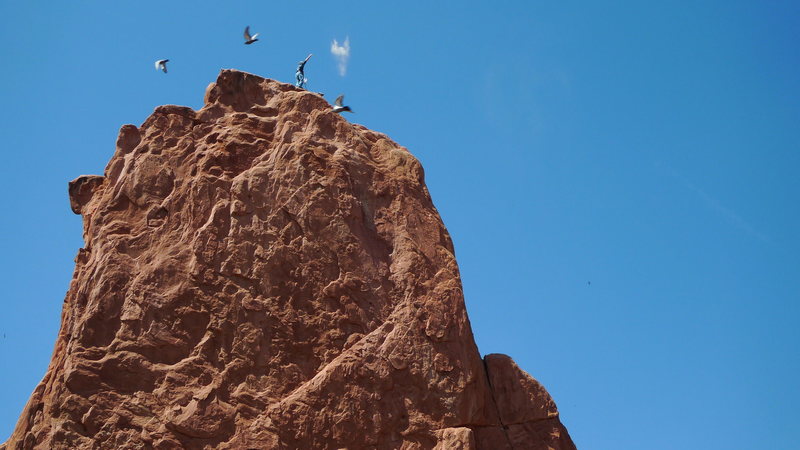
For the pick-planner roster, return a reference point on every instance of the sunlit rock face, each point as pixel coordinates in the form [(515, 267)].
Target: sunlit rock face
[(262, 273)]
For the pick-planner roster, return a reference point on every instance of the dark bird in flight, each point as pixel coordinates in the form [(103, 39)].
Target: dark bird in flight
[(247, 38), (337, 106), (161, 64)]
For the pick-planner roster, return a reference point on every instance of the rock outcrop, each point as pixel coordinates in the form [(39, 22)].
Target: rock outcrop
[(262, 273)]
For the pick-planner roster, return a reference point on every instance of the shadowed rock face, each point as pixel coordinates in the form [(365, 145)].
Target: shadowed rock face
[(262, 273)]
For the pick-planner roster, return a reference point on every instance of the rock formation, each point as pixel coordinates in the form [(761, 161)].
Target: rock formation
[(262, 273)]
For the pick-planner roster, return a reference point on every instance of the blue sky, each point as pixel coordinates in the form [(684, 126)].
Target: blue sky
[(650, 148)]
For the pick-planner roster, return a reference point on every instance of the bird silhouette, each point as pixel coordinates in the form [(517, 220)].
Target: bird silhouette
[(161, 64), (338, 107), (247, 38)]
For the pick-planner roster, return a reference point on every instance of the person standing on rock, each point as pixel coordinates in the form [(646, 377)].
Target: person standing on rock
[(300, 75)]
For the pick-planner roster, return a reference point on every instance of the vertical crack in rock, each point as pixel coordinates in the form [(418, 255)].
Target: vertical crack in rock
[(261, 273), (494, 402)]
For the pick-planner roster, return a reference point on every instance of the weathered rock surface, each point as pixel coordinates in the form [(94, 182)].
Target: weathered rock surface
[(262, 273)]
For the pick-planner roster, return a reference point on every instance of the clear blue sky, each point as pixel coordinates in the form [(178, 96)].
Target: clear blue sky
[(650, 148)]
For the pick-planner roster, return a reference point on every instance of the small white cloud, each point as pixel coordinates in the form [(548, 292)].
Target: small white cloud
[(342, 54)]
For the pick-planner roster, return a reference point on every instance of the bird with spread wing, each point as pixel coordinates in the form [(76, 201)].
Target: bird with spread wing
[(247, 38)]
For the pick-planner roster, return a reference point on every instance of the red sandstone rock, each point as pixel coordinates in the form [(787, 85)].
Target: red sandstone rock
[(262, 273), (526, 410)]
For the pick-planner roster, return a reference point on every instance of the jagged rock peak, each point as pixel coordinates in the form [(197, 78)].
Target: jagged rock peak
[(262, 273)]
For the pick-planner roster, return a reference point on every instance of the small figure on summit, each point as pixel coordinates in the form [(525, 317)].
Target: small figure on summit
[(337, 106), (300, 75), (161, 64), (247, 38)]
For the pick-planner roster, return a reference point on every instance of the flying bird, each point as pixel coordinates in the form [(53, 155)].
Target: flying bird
[(161, 64), (247, 38), (337, 106)]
